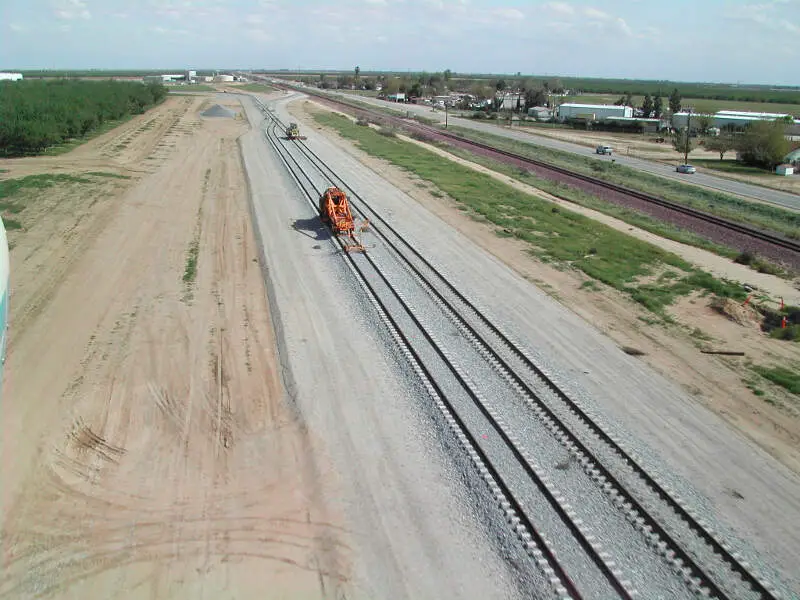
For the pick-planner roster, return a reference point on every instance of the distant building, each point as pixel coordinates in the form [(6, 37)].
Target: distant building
[(168, 78), (190, 76), (793, 158), (540, 113), (722, 119), (592, 112), (225, 78), (10, 76), (784, 170)]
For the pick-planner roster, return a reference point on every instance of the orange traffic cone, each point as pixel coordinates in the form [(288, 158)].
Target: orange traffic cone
[(783, 323)]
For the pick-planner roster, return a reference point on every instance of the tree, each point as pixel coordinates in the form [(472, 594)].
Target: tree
[(447, 75), (764, 144), (647, 106), (500, 85), (704, 123), (658, 107), (534, 97), (721, 144), (556, 86), (675, 101), (683, 142)]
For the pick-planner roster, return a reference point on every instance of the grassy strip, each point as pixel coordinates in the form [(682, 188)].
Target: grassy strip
[(190, 271), (13, 187), (781, 376), (732, 166), (724, 205), (571, 194), (192, 88), (109, 175), (255, 87), (557, 236)]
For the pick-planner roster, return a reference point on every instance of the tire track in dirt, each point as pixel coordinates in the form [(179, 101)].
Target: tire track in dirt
[(156, 456)]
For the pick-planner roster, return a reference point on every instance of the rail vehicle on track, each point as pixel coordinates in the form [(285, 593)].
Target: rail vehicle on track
[(334, 210), (293, 132)]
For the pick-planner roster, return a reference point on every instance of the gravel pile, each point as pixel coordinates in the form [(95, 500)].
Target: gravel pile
[(219, 111)]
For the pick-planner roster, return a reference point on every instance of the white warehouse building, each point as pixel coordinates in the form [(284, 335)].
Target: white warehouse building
[(593, 112), (727, 118), (10, 76)]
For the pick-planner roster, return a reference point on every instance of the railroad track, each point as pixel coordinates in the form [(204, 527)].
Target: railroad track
[(725, 231), (665, 529)]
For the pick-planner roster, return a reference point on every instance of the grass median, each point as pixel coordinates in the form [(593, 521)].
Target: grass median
[(651, 276), (725, 205)]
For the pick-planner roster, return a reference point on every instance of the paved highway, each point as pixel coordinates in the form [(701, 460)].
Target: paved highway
[(784, 199)]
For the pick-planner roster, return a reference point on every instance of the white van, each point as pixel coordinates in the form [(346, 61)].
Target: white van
[(604, 149)]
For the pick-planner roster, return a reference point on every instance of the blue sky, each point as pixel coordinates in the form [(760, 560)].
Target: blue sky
[(700, 40)]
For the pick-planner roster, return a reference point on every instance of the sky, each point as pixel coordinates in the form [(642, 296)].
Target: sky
[(682, 40)]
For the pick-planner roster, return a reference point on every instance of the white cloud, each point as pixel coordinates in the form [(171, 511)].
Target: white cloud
[(70, 9), (594, 13), (623, 27), (16, 27), (254, 19), (560, 8), (168, 30), (376, 2), (509, 13)]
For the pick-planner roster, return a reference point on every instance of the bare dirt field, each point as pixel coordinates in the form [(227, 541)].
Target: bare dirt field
[(146, 447), (717, 382)]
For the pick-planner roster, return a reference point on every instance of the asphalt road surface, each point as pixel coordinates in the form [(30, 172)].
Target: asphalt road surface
[(777, 197)]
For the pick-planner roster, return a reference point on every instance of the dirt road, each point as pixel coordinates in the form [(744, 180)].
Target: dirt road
[(147, 451)]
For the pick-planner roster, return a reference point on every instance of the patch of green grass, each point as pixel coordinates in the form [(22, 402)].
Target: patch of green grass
[(256, 87), (576, 196), (13, 187), (731, 166), (11, 223), (560, 237), (725, 205), (790, 334), (786, 378), (109, 175), (190, 271), (192, 88), (590, 284)]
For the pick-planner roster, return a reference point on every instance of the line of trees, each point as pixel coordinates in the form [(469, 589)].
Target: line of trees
[(653, 105), (761, 144), (35, 115)]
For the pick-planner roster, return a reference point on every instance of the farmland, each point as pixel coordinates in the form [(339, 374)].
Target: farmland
[(36, 115)]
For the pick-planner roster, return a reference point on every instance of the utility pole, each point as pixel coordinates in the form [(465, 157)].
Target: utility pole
[(445, 115), (688, 133)]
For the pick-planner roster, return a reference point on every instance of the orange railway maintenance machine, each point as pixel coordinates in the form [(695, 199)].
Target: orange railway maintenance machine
[(334, 210)]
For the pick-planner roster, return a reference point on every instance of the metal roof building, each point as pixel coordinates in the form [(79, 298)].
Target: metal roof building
[(592, 112), (10, 76)]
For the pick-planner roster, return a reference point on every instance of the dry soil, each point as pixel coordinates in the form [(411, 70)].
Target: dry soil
[(146, 447)]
